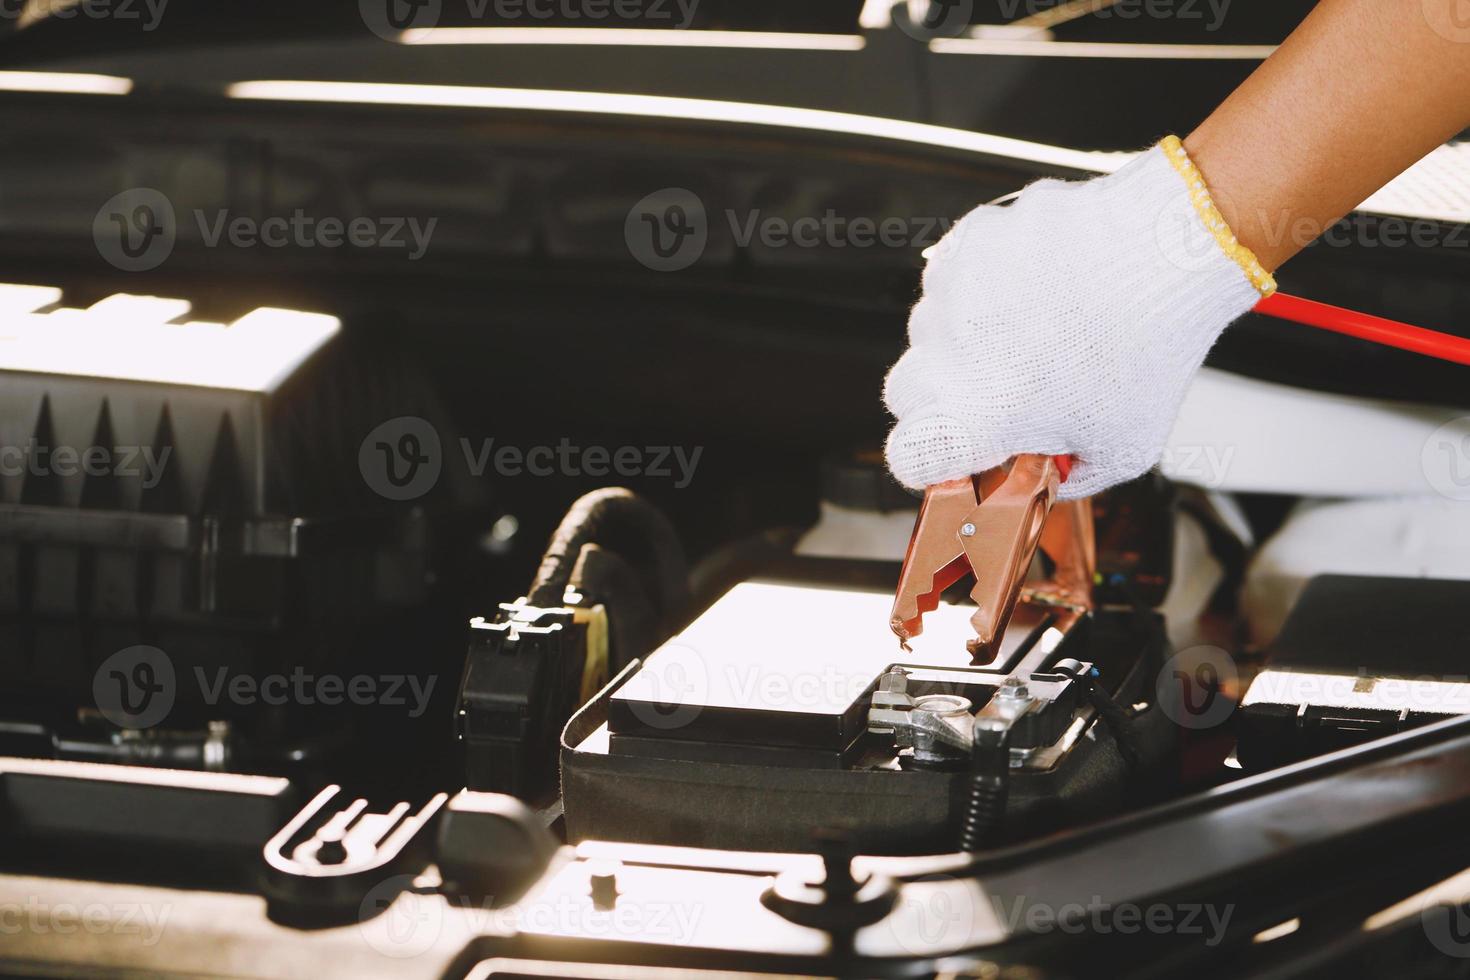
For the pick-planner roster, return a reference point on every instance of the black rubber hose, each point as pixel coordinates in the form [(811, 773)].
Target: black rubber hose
[(635, 625), (617, 520)]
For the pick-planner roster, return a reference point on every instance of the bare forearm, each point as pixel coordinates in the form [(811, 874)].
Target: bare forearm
[(1357, 94)]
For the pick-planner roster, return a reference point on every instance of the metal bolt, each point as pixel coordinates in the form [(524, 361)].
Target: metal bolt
[(331, 846), (1013, 687), (894, 681), (967, 529)]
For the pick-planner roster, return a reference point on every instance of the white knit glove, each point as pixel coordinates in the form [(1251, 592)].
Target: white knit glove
[(1069, 323)]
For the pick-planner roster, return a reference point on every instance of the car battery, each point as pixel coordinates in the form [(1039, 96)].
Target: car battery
[(762, 722)]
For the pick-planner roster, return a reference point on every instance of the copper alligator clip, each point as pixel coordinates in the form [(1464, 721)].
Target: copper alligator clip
[(991, 525)]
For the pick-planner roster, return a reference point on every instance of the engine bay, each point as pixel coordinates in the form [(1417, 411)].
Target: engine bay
[(519, 610)]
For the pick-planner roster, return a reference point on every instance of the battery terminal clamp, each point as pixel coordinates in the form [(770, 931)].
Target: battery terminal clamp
[(991, 525)]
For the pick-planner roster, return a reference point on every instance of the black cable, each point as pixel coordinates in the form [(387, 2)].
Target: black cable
[(636, 627), (619, 521), (1118, 718)]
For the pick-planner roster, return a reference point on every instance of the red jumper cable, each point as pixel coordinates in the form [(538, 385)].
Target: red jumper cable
[(1380, 330)]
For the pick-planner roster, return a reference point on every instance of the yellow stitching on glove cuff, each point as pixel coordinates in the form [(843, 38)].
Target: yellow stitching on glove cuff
[(1199, 195)]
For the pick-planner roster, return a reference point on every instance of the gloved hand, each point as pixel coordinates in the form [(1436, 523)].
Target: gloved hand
[(1069, 323)]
